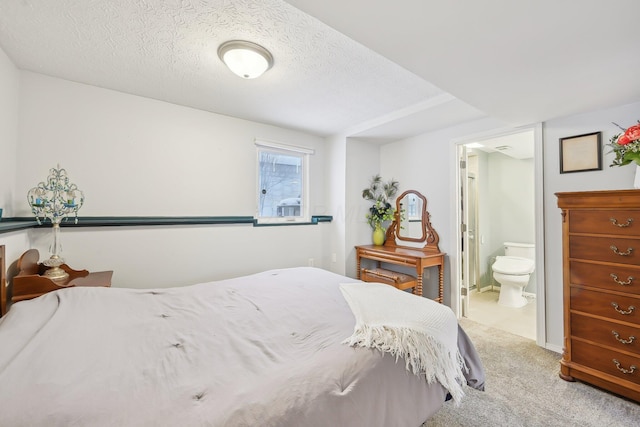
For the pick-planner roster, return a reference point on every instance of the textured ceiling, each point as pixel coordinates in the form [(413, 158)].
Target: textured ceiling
[(376, 70), (322, 81)]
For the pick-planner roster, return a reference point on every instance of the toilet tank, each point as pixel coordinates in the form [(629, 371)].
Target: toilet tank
[(522, 250)]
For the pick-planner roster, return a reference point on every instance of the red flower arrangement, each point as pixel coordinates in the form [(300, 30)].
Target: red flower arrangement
[(626, 146)]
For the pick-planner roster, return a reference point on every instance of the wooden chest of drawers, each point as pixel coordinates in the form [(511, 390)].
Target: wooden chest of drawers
[(601, 260)]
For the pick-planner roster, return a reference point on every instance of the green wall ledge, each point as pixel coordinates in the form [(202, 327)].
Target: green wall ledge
[(23, 223)]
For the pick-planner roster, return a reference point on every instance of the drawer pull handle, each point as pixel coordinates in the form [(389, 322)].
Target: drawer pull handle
[(623, 341), (617, 252), (617, 308), (626, 224), (631, 369), (620, 282)]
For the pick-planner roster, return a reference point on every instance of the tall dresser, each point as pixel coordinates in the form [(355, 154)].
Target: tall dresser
[(601, 275)]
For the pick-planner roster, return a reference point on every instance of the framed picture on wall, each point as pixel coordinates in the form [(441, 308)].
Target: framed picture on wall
[(581, 153)]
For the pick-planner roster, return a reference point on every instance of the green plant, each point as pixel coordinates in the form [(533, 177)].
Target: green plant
[(626, 146), (381, 194)]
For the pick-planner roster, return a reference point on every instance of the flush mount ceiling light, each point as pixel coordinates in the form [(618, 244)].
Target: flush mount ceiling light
[(247, 60)]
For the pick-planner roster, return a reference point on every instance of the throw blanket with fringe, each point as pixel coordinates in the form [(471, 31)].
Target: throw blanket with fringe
[(422, 331)]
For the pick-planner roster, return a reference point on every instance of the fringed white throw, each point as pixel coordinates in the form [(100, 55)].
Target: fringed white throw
[(418, 329)]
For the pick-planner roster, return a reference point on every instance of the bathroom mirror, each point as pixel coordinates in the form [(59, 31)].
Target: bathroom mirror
[(411, 225)]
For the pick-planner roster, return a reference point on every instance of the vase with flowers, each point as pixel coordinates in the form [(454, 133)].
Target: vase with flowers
[(626, 146), (381, 212)]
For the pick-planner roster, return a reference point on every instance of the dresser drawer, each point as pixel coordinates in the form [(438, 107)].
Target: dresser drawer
[(604, 360), (607, 249), (604, 276), (616, 307), (621, 337), (393, 278), (620, 222)]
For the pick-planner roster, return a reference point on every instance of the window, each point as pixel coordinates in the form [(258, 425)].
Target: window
[(413, 208), (282, 183)]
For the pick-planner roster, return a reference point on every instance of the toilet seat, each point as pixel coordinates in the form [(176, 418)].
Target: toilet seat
[(513, 265)]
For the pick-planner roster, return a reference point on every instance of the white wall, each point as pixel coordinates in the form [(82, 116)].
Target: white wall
[(363, 160), (137, 156), (15, 242), (149, 257), (134, 156), (609, 178), (9, 102), (335, 173)]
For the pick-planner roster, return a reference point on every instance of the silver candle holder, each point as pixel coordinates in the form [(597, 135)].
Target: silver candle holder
[(55, 199)]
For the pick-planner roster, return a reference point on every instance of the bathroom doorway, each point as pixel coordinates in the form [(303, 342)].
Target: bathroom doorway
[(498, 204)]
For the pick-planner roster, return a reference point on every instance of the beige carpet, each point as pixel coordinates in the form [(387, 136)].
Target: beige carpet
[(523, 389)]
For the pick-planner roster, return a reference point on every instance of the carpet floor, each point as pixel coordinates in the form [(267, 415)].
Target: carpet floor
[(523, 389)]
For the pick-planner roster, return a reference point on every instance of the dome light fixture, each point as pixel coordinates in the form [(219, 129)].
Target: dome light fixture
[(246, 59)]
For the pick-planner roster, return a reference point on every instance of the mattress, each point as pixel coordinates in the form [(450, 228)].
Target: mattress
[(259, 350)]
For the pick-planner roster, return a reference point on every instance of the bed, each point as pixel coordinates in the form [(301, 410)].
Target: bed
[(266, 349)]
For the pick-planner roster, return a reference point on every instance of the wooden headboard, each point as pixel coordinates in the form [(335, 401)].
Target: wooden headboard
[(3, 283)]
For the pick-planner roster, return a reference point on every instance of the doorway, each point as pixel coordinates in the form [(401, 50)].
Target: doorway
[(500, 180)]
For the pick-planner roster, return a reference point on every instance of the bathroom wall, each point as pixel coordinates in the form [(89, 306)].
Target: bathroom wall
[(507, 208)]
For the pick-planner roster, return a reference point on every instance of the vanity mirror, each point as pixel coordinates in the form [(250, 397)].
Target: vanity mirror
[(412, 224)]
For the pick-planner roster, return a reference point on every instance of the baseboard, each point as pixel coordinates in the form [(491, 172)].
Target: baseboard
[(490, 288), (553, 347)]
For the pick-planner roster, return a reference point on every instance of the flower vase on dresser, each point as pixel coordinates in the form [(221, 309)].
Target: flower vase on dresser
[(381, 212), (626, 147)]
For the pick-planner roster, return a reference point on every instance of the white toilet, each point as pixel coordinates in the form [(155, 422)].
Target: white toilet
[(513, 271)]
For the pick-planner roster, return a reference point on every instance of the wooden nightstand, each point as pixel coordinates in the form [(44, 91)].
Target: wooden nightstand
[(30, 282)]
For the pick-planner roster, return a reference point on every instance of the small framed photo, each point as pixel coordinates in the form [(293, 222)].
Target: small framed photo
[(581, 153)]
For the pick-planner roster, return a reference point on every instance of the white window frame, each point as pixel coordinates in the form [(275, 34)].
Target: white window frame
[(305, 153)]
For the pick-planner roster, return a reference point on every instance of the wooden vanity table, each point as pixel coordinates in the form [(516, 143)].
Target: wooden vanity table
[(420, 249)]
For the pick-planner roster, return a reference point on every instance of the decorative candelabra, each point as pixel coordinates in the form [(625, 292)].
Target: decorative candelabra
[(55, 199)]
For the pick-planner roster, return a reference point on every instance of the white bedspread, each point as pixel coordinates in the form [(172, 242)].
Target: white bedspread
[(260, 350), (417, 329)]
